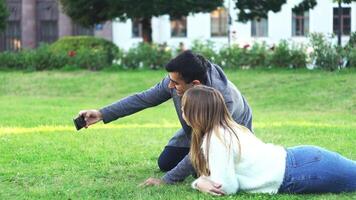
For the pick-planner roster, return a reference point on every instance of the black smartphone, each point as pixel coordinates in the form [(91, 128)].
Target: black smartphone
[(79, 122)]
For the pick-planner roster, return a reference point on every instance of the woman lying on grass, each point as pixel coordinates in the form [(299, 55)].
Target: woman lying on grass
[(229, 157)]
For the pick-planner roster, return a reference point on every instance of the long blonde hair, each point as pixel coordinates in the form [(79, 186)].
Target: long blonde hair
[(205, 111)]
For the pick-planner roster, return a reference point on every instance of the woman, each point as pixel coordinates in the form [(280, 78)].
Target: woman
[(229, 158)]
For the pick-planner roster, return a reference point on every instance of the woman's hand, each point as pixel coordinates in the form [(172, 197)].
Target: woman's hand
[(204, 184)]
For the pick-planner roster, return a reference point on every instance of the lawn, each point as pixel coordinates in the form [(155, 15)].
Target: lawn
[(43, 157)]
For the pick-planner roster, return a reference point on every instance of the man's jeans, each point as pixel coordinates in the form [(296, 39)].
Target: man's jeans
[(311, 169), (171, 156)]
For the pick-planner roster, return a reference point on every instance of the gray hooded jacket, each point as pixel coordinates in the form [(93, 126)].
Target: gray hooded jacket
[(236, 103)]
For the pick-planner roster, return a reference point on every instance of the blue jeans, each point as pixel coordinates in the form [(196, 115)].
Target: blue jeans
[(311, 169), (171, 156)]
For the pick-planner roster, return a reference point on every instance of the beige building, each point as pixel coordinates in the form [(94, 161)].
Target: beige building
[(32, 22)]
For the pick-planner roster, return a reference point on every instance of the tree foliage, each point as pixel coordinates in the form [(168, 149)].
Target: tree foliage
[(257, 9), (90, 12), (3, 14)]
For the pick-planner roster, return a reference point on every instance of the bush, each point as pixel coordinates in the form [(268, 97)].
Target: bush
[(35, 59), (151, 56), (352, 57), (281, 55), (205, 49), (86, 51), (10, 60), (42, 58), (258, 55), (352, 41), (325, 55), (350, 50), (298, 57), (232, 57)]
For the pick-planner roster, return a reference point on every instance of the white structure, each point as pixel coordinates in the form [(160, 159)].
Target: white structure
[(203, 26)]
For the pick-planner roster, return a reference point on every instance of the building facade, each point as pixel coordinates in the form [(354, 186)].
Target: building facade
[(215, 26), (32, 22)]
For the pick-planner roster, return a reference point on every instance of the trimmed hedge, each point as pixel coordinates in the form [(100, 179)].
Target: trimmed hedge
[(95, 54), (86, 51)]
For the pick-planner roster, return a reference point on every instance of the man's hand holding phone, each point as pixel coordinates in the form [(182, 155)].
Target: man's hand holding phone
[(87, 118)]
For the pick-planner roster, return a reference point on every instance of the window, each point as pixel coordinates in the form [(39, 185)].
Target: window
[(300, 23), (179, 27), (136, 28), (80, 30), (47, 21), (345, 21), (259, 28), (219, 22), (10, 38)]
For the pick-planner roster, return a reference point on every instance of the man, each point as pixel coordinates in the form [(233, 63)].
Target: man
[(184, 71)]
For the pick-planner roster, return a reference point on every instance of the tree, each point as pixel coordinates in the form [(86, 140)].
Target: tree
[(3, 14), (257, 9), (90, 12)]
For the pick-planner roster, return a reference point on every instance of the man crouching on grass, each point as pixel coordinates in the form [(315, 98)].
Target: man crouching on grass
[(185, 71)]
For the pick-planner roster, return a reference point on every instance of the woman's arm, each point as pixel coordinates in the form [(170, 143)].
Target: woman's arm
[(222, 163)]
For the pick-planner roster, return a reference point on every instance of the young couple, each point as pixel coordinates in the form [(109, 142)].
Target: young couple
[(226, 155)]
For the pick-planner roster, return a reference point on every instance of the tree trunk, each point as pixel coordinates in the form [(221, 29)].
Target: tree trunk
[(340, 21), (146, 30)]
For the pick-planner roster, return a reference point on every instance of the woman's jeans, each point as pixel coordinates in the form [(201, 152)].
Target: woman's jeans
[(311, 169)]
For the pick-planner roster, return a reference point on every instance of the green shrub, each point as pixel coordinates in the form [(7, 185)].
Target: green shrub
[(298, 57), (259, 55), (352, 57), (325, 55), (205, 49), (281, 55), (233, 57), (146, 55), (34, 59), (350, 50), (86, 51), (43, 59), (352, 41), (87, 59), (10, 60)]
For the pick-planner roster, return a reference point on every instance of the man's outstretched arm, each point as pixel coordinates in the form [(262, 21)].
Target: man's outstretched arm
[(134, 103)]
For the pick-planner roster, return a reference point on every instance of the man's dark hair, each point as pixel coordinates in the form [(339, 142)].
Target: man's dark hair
[(190, 66)]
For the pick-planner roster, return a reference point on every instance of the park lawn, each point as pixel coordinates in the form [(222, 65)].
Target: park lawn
[(43, 157)]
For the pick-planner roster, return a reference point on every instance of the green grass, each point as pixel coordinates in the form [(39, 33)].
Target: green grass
[(43, 157)]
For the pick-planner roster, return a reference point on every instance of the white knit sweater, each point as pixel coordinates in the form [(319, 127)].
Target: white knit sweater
[(259, 169)]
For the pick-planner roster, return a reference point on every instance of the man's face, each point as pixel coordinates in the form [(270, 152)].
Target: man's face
[(176, 82)]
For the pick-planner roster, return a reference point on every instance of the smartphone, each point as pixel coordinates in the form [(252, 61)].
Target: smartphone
[(79, 122)]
